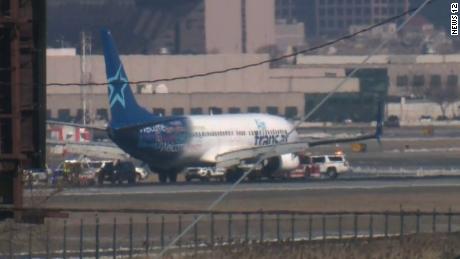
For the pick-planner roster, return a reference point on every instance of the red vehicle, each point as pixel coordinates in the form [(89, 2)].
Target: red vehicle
[(306, 168)]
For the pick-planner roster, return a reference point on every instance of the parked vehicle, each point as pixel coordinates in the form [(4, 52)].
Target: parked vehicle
[(88, 177), (425, 118), (303, 171), (75, 172), (392, 121), (37, 176), (118, 171), (330, 166), (204, 173)]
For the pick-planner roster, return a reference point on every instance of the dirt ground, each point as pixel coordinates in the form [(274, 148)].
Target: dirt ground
[(423, 246)]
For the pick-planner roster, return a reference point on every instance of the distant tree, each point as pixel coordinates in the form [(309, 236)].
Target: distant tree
[(270, 49), (273, 51), (443, 95)]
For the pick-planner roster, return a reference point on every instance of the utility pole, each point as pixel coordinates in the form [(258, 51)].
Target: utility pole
[(85, 74)]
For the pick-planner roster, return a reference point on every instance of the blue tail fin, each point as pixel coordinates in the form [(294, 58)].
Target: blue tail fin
[(123, 106)]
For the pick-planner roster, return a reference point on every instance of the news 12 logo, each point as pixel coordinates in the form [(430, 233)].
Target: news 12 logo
[(454, 19)]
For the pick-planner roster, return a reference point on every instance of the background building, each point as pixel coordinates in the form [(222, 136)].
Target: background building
[(336, 16), (412, 77), (168, 27), (279, 91)]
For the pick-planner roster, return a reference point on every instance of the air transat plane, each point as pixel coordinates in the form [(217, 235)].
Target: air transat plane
[(170, 143)]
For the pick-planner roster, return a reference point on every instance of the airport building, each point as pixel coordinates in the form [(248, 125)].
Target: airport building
[(408, 77), (289, 91), (279, 91)]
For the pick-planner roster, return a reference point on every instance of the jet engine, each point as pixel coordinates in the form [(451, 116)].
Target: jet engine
[(284, 162)]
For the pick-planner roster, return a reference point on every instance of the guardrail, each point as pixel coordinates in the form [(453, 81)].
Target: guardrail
[(115, 232)]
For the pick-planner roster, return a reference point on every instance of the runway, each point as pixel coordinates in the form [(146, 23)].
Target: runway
[(357, 191), (369, 194), (344, 184)]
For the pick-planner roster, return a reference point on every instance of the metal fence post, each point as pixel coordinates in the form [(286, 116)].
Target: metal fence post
[(179, 230), (246, 228), (130, 237), (417, 222), (434, 220), (147, 235), (211, 222), (64, 245), (81, 238), (371, 226), (292, 226), (195, 232), (47, 240), (30, 242), (340, 226), (229, 228), (114, 238), (401, 221), (449, 221), (324, 226), (278, 234), (310, 227), (261, 226), (162, 232), (355, 225), (386, 223), (10, 240), (97, 237)]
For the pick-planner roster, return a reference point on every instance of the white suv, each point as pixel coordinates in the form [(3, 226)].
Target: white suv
[(331, 165)]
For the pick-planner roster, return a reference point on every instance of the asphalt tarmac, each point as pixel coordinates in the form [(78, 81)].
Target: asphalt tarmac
[(371, 194)]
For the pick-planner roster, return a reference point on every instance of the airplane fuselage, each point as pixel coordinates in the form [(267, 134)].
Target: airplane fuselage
[(179, 141)]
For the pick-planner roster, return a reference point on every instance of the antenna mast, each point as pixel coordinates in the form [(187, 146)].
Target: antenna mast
[(85, 74)]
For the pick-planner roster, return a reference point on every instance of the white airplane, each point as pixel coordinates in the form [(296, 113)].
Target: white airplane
[(168, 144)]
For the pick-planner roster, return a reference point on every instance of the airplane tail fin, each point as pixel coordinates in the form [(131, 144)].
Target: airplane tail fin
[(123, 106)]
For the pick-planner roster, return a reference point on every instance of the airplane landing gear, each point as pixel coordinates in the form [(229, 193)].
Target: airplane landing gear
[(162, 177), (233, 175), (170, 175)]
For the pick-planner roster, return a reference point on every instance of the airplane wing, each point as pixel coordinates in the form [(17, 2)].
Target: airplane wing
[(212, 154), (233, 158), (96, 127), (92, 149)]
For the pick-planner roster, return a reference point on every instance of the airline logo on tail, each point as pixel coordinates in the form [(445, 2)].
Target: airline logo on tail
[(117, 86)]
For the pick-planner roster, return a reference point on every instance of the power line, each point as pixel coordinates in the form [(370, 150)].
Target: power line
[(320, 46), (260, 159)]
